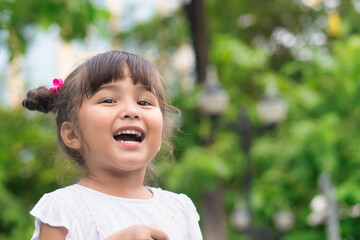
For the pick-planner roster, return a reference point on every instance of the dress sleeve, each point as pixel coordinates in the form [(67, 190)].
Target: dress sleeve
[(54, 211), (194, 232)]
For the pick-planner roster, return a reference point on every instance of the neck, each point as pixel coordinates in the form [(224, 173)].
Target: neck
[(125, 185)]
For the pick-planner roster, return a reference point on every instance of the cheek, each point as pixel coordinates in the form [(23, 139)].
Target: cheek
[(90, 120), (158, 126), (160, 133), (161, 123), (87, 122)]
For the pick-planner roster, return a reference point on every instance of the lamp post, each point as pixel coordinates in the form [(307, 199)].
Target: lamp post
[(324, 208), (271, 110), (213, 100)]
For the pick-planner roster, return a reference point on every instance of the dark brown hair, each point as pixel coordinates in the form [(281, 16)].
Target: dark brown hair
[(87, 79)]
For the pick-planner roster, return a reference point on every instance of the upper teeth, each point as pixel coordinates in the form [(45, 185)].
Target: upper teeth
[(137, 133)]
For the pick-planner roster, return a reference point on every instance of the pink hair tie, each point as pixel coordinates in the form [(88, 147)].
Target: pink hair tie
[(58, 83)]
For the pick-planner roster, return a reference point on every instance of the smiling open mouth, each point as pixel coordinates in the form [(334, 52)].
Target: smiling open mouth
[(129, 136)]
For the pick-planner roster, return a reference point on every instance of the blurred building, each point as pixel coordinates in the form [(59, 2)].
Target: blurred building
[(50, 57)]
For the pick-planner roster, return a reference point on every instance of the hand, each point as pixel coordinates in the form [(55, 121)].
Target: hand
[(140, 232)]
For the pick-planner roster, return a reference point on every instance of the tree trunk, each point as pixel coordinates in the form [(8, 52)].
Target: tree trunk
[(214, 216), (196, 14), (213, 207), (15, 82)]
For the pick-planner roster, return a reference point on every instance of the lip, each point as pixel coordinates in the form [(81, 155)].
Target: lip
[(131, 145)]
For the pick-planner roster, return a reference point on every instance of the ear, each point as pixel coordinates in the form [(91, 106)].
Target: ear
[(70, 137)]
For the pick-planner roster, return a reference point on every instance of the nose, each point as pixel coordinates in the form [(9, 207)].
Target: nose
[(129, 111)]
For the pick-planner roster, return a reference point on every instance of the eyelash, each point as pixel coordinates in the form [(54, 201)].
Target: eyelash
[(141, 102), (144, 103), (108, 101)]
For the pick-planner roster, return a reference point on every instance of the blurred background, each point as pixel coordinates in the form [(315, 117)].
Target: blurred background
[(269, 93)]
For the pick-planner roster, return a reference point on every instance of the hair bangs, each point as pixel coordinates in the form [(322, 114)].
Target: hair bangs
[(113, 66), (144, 73), (103, 69)]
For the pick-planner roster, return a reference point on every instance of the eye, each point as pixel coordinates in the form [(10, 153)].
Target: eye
[(144, 103), (108, 101)]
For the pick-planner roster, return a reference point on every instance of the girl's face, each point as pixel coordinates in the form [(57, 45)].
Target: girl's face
[(120, 127)]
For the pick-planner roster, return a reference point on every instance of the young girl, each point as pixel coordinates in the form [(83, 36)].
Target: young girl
[(112, 119)]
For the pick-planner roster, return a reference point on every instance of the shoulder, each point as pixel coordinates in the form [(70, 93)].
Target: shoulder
[(63, 196), (53, 209), (183, 208), (181, 200), (70, 199), (54, 203), (172, 195), (165, 194), (64, 208)]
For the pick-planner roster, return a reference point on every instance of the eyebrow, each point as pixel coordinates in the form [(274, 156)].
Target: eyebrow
[(114, 87), (111, 87)]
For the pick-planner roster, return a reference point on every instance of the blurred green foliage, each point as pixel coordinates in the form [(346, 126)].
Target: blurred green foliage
[(317, 72), (19, 19), (318, 75), (27, 146)]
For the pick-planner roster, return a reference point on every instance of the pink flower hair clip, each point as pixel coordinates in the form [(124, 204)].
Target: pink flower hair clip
[(58, 83)]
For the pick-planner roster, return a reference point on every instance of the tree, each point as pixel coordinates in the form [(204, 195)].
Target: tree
[(300, 45), (26, 150), (26, 146), (310, 51), (19, 18)]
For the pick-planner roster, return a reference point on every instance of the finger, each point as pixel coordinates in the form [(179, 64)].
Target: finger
[(157, 233)]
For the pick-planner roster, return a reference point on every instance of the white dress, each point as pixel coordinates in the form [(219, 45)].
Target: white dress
[(89, 214)]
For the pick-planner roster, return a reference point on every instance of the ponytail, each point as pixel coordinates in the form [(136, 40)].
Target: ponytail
[(40, 99)]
